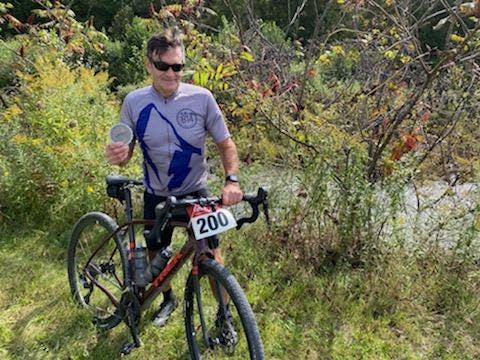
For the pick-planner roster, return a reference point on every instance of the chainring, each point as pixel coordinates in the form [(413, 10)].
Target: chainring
[(130, 308)]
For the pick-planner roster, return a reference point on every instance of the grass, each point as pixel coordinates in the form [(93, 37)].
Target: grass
[(395, 307)]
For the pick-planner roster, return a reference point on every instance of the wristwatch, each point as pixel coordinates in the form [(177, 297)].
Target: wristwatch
[(231, 178)]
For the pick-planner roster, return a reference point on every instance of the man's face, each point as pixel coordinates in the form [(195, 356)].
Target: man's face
[(166, 81)]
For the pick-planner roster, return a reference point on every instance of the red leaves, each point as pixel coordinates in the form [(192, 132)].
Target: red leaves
[(272, 86), (30, 19), (408, 142), (275, 82)]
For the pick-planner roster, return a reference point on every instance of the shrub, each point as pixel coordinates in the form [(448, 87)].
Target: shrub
[(53, 135), (125, 57), (8, 62)]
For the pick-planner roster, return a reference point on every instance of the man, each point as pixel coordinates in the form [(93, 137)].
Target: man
[(170, 120)]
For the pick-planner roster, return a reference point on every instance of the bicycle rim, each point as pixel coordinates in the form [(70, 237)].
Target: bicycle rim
[(235, 338), (105, 269)]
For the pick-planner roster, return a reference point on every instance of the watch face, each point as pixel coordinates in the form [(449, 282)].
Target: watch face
[(232, 178), (121, 133)]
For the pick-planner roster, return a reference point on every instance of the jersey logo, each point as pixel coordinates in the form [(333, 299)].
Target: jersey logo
[(179, 166), (187, 118)]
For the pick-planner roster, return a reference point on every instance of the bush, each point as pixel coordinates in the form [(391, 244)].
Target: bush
[(125, 57), (53, 137), (8, 62)]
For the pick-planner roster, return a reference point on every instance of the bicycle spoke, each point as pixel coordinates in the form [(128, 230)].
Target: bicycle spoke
[(96, 268)]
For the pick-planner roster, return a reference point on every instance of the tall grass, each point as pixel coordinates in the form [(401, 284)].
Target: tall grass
[(397, 306)]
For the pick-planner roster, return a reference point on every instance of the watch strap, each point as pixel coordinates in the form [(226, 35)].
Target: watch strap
[(232, 178)]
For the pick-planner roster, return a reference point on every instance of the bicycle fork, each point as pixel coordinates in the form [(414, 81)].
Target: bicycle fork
[(207, 339), (198, 292)]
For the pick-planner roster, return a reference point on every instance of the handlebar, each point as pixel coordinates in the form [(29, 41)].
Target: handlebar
[(255, 201), (164, 213)]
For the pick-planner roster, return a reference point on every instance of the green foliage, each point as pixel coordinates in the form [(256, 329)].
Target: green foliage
[(120, 21), (347, 271), (125, 56), (8, 62), (332, 217), (53, 135)]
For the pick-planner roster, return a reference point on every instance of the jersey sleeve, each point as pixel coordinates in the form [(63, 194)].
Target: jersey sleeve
[(126, 114), (215, 122)]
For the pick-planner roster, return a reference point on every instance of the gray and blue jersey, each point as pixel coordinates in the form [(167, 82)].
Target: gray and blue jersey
[(171, 133)]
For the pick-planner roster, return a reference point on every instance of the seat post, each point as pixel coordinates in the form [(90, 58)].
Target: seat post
[(129, 212)]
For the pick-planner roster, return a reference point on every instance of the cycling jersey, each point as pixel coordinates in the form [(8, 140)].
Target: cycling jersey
[(171, 133)]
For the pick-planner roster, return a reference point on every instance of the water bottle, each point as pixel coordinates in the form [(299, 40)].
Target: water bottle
[(140, 260), (158, 263)]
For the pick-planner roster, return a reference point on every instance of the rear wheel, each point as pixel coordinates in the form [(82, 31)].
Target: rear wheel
[(217, 329), (95, 263)]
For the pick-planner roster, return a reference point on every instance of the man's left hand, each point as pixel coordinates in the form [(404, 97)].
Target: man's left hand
[(232, 194)]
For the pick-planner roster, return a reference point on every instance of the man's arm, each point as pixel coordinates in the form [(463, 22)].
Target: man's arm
[(232, 193)]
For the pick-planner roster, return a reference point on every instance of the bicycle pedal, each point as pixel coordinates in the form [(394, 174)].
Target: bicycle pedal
[(128, 347)]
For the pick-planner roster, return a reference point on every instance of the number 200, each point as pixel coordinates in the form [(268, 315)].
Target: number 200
[(212, 221)]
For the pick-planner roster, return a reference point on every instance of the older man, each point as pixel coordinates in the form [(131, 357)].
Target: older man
[(170, 120)]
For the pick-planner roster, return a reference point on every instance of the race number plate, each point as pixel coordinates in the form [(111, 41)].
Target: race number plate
[(212, 223)]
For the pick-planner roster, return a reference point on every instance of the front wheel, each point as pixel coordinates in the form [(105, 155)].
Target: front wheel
[(217, 325), (97, 268)]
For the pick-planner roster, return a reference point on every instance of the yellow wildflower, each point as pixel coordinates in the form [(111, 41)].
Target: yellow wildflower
[(457, 38), (340, 2), (338, 50), (90, 189), (390, 54), (392, 86), (405, 59), (324, 59), (11, 112)]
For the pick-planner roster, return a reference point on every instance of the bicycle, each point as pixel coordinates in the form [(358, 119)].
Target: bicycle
[(107, 274)]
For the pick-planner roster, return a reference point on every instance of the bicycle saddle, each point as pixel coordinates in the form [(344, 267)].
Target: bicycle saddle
[(117, 180)]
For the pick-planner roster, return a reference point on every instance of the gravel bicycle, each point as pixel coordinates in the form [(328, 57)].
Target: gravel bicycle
[(110, 276)]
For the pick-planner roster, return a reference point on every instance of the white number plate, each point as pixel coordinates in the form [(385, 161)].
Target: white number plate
[(212, 223)]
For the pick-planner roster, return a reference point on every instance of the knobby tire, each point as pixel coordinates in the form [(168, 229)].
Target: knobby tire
[(109, 267), (249, 344)]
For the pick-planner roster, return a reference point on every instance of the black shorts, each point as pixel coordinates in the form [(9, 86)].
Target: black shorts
[(150, 201)]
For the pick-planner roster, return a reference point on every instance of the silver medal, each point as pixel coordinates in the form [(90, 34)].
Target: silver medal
[(121, 133)]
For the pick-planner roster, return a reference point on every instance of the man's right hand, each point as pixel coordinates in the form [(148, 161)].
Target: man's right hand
[(117, 153)]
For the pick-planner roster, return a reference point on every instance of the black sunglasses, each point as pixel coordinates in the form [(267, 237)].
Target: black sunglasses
[(163, 66)]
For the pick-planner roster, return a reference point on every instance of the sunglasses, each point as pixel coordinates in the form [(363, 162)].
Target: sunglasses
[(163, 66)]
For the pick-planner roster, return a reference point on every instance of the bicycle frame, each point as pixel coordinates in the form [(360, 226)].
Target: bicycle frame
[(145, 298), (136, 297)]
